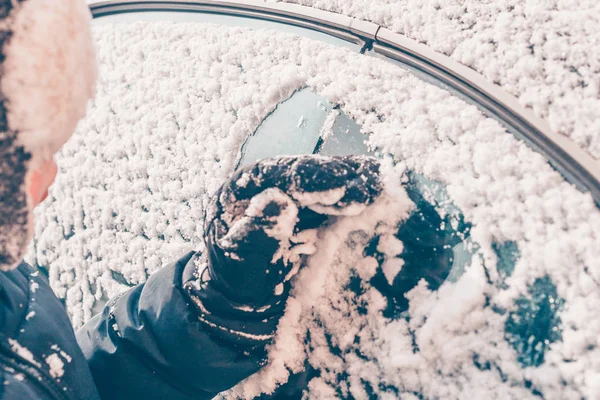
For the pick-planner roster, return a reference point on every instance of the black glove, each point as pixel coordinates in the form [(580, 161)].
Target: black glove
[(257, 228)]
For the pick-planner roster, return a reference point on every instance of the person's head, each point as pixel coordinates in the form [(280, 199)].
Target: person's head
[(47, 76)]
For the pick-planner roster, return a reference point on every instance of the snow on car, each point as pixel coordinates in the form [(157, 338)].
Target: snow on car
[(477, 275)]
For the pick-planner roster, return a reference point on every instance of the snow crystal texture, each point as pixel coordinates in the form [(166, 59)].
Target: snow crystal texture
[(175, 103), (545, 53)]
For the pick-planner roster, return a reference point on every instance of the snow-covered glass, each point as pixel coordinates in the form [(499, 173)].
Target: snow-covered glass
[(482, 278)]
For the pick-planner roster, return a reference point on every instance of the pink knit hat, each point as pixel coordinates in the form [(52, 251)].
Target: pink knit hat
[(47, 76)]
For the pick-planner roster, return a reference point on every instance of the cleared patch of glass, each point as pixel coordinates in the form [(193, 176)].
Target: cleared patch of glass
[(293, 128), (344, 138)]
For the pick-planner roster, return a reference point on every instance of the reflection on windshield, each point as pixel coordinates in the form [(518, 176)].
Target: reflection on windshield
[(434, 238)]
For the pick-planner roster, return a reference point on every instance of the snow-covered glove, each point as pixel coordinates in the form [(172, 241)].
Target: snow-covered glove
[(258, 229), (261, 226)]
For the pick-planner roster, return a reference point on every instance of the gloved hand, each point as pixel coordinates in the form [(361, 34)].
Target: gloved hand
[(259, 227)]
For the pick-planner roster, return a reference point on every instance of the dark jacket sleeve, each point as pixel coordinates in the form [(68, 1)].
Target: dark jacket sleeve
[(151, 343)]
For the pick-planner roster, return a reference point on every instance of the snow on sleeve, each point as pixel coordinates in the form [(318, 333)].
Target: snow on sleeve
[(56, 365), (62, 353), (23, 352)]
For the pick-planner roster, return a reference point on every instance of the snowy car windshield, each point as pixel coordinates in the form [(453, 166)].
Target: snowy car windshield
[(483, 286)]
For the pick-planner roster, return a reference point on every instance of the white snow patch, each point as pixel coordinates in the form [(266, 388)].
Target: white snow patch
[(392, 267), (390, 246), (327, 128), (301, 122), (284, 222), (22, 352), (315, 199), (56, 365), (279, 289)]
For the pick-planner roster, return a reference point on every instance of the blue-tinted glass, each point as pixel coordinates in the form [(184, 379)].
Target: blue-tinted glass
[(345, 138), (508, 254), (293, 128), (535, 324)]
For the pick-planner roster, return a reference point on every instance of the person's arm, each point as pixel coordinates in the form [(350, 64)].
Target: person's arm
[(150, 344), (200, 326)]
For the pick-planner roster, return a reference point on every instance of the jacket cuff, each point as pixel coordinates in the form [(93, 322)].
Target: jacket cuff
[(238, 323)]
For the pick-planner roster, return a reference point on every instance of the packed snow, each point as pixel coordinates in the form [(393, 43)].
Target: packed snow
[(56, 365), (175, 103), (22, 352), (545, 53)]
